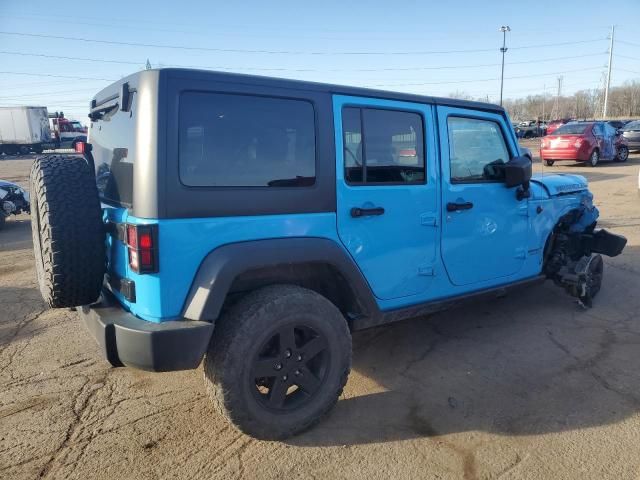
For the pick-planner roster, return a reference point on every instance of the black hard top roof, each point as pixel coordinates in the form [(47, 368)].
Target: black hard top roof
[(323, 87), (210, 75)]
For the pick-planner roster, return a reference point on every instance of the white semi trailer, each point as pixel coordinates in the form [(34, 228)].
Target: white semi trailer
[(24, 130)]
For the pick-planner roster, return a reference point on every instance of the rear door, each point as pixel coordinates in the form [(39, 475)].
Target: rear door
[(387, 192), (609, 141), (484, 228)]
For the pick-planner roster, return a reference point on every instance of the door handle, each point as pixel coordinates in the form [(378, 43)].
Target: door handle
[(453, 207), (363, 212)]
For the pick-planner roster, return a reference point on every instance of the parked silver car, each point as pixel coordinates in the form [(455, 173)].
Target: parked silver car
[(631, 132)]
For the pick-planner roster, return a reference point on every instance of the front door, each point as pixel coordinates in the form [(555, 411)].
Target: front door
[(387, 192), (484, 228)]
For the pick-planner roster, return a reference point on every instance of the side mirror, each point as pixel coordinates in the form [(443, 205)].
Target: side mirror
[(518, 171)]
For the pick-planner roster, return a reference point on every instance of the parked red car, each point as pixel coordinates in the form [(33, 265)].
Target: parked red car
[(584, 142)]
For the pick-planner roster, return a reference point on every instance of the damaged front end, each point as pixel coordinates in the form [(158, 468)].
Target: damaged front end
[(573, 254), (13, 200)]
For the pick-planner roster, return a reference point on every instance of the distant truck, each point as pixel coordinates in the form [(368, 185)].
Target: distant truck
[(66, 132), (24, 129)]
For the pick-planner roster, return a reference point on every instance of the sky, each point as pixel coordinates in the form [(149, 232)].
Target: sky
[(433, 48)]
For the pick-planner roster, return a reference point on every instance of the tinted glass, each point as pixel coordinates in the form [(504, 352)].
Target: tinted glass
[(609, 130), (113, 140), (352, 141), (597, 129), (473, 145), (572, 129), (245, 141), (632, 126), (393, 147)]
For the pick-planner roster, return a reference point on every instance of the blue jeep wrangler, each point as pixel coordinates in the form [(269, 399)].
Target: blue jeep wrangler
[(256, 222)]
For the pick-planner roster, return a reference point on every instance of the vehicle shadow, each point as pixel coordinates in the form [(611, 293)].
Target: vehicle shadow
[(20, 307), (530, 363)]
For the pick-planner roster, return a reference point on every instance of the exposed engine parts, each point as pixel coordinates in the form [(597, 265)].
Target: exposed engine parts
[(13, 200), (572, 257)]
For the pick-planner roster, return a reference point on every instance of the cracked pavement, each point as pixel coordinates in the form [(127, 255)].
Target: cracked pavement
[(526, 386)]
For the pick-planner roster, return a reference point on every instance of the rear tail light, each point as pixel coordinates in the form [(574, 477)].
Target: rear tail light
[(142, 243), (80, 147), (578, 143), (543, 144)]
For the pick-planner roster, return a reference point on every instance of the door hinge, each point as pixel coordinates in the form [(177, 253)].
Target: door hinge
[(521, 253), (428, 220), (523, 209), (426, 270)]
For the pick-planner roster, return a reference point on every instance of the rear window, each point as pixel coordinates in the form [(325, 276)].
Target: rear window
[(112, 138), (229, 140), (572, 129)]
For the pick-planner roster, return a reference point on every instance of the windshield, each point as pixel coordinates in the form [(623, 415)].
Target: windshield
[(632, 126), (572, 129)]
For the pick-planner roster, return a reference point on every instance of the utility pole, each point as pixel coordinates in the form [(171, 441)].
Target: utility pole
[(504, 29), (544, 99), (555, 112), (606, 90)]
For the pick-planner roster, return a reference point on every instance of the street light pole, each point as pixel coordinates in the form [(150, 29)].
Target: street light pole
[(606, 89), (504, 29)]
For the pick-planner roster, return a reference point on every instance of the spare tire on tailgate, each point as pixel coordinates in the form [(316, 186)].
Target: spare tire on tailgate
[(68, 233)]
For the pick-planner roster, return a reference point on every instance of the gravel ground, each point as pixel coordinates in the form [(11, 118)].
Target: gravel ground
[(527, 386)]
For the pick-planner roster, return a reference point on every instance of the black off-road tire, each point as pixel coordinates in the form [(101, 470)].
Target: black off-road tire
[(238, 337), (67, 229), (549, 163)]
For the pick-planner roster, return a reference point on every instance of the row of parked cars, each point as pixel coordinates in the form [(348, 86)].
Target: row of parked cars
[(590, 141)]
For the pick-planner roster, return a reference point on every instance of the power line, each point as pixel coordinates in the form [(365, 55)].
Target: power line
[(484, 79), (281, 52), (40, 94), (629, 43), (58, 76), (625, 70), (626, 56), (216, 67)]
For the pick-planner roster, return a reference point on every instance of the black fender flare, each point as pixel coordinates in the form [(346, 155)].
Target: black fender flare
[(223, 265)]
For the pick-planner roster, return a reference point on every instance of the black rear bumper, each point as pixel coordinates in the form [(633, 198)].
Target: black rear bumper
[(159, 347)]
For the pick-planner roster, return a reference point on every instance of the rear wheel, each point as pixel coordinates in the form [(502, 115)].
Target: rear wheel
[(278, 361), (67, 230), (549, 163), (594, 158), (623, 154)]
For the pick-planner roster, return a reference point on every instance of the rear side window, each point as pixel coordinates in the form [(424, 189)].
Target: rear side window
[(382, 146), (572, 129), (228, 140), (473, 146)]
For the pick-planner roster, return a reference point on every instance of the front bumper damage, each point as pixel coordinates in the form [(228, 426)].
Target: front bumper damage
[(573, 256)]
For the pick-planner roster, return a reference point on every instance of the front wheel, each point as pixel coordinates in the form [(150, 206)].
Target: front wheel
[(593, 272), (594, 158), (278, 361), (549, 163), (623, 154)]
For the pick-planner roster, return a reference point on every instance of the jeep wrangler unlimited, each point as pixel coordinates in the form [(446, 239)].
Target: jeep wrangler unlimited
[(256, 222)]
